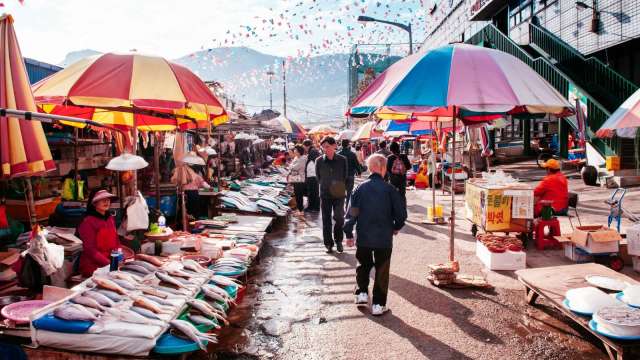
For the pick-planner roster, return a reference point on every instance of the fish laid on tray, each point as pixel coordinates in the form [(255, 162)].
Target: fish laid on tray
[(193, 333)]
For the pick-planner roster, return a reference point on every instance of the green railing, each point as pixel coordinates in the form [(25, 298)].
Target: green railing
[(490, 36), (591, 73)]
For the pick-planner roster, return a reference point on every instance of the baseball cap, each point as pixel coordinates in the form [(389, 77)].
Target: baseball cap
[(551, 164), (102, 194)]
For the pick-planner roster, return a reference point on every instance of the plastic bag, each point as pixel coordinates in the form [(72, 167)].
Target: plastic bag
[(79, 190), (68, 189), (138, 214)]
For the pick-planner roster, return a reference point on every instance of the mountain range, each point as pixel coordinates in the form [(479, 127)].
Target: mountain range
[(316, 86)]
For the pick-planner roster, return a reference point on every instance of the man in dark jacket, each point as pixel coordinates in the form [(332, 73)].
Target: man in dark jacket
[(382, 149), (353, 167), (397, 166), (311, 181), (378, 213), (331, 171)]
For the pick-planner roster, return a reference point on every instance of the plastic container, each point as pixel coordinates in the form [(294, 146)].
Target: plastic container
[(612, 163), (439, 213)]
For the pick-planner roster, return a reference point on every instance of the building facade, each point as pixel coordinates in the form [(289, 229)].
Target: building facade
[(38, 70)]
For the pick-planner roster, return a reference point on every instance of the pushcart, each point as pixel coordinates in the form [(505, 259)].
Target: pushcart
[(506, 209)]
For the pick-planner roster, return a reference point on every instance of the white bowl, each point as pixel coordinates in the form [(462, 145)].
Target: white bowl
[(621, 321), (589, 299)]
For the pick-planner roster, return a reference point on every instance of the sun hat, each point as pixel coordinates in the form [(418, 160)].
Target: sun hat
[(102, 194), (551, 164)]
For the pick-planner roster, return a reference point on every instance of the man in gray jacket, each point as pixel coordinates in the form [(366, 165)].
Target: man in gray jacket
[(331, 172)]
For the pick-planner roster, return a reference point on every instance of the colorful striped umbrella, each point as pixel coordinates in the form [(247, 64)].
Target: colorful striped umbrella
[(24, 150), (321, 130), (477, 80), (625, 121), (123, 90), (366, 131), (288, 126)]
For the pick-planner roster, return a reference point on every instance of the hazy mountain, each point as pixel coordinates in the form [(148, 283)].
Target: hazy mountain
[(316, 86)]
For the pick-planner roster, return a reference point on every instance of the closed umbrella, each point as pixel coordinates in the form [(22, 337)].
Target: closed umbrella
[(625, 121), (460, 81), (24, 151)]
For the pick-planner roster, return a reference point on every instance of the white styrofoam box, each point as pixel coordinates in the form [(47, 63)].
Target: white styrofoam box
[(508, 260), (633, 240), (636, 263), (572, 253)]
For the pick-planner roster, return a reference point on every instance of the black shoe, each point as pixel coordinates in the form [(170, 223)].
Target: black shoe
[(330, 250), (339, 248)]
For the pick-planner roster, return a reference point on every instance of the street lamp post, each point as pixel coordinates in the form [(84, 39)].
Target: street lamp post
[(405, 27), (270, 73), (595, 17)]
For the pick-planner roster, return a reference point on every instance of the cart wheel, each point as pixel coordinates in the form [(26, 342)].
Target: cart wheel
[(616, 263), (474, 230)]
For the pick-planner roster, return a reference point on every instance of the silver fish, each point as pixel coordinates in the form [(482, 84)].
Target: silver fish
[(192, 333), (144, 312), (101, 299), (194, 266), (160, 301), (219, 290), (74, 312), (201, 320), (223, 280), (110, 294), (131, 317), (208, 310), (169, 279), (144, 264), (124, 284), (87, 301), (127, 276), (213, 295), (135, 269), (172, 291)]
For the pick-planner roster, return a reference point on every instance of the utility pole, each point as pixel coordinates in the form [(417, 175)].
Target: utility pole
[(270, 73), (284, 88)]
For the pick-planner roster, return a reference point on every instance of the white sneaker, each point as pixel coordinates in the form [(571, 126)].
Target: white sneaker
[(362, 299), (377, 310)]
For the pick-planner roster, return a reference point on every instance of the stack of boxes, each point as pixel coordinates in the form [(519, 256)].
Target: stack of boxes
[(633, 245)]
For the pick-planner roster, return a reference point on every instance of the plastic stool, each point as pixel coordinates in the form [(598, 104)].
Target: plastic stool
[(547, 241)]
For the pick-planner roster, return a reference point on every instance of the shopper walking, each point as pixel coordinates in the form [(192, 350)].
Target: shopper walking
[(297, 178), (397, 166), (353, 167), (382, 149), (311, 182), (378, 213), (331, 171)]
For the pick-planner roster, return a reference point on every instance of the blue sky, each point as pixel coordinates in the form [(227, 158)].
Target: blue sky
[(47, 29)]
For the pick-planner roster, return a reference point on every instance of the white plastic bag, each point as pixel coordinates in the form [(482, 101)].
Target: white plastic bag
[(138, 214)]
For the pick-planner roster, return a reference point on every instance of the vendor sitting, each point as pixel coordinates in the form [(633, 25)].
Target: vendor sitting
[(97, 232), (553, 188)]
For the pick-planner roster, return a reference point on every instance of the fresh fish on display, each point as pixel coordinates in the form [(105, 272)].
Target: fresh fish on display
[(181, 274), (124, 284), (74, 312), (131, 317), (192, 333), (143, 302), (100, 298), (218, 290), (173, 291), (110, 294), (109, 285), (135, 268), (144, 312), (214, 295), (208, 310), (194, 266), (150, 259), (201, 320), (147, 265), (223, 280), (159, 300), (153, 292), (87, 301), (130, 277), (168, 279)]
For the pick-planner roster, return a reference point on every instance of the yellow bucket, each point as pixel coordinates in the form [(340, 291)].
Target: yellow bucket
[(439, 212)]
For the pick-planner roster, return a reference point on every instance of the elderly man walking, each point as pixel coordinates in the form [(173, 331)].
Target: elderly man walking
[(378, 213), (331, 171)]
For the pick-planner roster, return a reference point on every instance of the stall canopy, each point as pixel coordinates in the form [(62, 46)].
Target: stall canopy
[(366, 131), (322, 130), (126, 90), (286, 125), (23, 146), (625, 121)]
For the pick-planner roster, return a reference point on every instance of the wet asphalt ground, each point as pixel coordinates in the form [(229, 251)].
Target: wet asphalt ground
[(299, 304)]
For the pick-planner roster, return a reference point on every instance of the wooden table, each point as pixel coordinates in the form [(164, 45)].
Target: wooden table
[(213, 199), (551, 283)]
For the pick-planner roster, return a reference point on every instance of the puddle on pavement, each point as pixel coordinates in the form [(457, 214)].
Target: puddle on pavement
[(284, 288)]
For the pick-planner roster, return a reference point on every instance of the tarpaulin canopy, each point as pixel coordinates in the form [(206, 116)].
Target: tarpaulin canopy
[(126, 89), (23, 146), (288, 126), (366, 131), (322, 130), (625, 121)]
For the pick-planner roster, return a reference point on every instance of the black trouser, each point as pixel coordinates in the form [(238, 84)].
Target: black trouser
[(298, 192), (194, 207), (400, 183), (336, 206), (349, 185), (313, 194), (381, 260)]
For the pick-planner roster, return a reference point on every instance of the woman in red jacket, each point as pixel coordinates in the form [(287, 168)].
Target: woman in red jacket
[(97, 232)]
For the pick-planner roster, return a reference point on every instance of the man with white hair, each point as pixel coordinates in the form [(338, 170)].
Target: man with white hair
[(378, 213)]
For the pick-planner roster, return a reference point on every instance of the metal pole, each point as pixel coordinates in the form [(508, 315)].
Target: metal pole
[(156, 167), (433, 176), (410, 40), (134, 150), (452, 219), (31, 204), (284, 88), (75, 153)]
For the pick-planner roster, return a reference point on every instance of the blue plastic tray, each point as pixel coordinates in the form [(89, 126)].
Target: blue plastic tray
[(169, 344), (52, 323), (567, 306), (594, 326), (619, 297)]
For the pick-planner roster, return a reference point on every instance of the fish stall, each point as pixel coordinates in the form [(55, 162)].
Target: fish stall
[(264, 195)]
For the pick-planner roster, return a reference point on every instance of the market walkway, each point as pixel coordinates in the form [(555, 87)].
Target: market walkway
[(304, 303)]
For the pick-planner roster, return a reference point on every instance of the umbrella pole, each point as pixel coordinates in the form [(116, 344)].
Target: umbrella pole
[(433, 177), (31, 204), (453, 190), (75, 154), (156, 167)]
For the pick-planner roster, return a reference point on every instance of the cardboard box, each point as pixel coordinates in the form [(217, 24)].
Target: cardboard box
[(633, 240), (508, 260), (596, 239)]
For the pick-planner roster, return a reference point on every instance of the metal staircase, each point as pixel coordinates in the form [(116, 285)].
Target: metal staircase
[(604, 83), (491, 37)]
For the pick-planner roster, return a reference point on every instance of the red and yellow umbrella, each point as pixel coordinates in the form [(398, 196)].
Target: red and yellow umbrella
[(23, 146), (131, 89)]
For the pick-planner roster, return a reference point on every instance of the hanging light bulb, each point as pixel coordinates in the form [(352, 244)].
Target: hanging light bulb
[(127, 162)]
